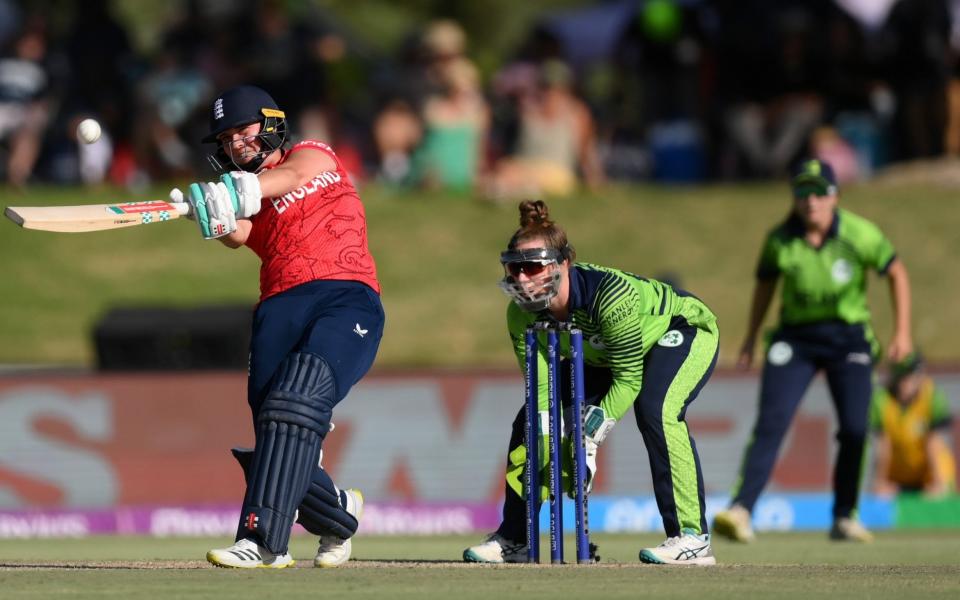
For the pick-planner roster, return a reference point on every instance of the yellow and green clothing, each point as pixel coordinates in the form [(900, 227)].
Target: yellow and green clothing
[(908, 427)]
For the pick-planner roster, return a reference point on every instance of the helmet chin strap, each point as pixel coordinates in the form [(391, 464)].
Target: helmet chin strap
[(272, 135), (254, 164)]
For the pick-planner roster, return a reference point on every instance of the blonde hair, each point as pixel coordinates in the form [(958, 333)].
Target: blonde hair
[(535, 224)]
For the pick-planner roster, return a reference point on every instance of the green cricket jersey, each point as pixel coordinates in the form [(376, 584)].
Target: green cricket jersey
[(827, 283), (622, 316)]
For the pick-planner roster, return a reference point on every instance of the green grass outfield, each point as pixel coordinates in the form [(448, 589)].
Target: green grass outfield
[(437, 257), (923, 564)]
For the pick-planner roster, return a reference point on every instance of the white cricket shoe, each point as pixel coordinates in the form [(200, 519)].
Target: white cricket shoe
[(335, 551), (734, 524), (850, 530), (496, 549), (686, 549), (247, 554)]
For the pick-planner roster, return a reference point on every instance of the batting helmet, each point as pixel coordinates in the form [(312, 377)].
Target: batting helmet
[(241, 106)]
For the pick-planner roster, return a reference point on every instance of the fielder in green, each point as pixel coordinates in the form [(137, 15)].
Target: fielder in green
[(646, 345), (823, 255)]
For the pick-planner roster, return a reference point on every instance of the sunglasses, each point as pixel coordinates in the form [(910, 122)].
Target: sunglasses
[(529, 268), (802, 192)]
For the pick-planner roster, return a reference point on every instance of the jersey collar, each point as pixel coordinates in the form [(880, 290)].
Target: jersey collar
[(796, 228), (578, 289)]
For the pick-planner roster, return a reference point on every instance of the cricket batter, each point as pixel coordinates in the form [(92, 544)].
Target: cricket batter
[(316, 329), (822, 253), (647, 346)]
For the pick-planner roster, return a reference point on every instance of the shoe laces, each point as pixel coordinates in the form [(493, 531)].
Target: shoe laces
[(329, 542), (670, 542), (506, 546)]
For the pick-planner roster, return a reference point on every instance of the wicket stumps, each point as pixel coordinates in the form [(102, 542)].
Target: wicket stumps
[(532, 430)]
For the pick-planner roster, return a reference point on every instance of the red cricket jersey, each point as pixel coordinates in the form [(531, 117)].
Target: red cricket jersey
[(317, 231)]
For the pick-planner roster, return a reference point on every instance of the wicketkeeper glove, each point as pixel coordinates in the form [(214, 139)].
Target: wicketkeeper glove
[(596, 426)]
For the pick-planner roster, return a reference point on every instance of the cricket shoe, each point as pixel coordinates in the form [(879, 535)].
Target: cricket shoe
[(496, 549), (335, 551), (685, 549), (734, 524), (850, 530), (247, 554)]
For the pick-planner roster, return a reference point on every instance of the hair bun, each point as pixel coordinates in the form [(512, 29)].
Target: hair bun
[(534, 212)]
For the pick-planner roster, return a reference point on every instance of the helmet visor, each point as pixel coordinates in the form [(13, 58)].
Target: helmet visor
[(541, 277)]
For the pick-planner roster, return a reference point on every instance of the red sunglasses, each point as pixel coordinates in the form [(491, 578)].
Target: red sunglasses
[(530, 268)]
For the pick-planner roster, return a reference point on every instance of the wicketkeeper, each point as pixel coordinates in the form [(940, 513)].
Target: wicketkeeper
[(647, 346)]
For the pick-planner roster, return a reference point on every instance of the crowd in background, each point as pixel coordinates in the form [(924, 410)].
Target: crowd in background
[(668, 90)]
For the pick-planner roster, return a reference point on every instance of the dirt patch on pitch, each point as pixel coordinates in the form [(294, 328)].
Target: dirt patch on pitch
[(302, 564), (112, 564)]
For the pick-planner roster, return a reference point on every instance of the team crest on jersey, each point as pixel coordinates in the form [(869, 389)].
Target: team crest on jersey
[(779, 354), (841, 271), (671, 339), (596, 342), (860, 358)]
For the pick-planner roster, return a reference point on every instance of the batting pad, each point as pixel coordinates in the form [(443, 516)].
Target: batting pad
[(293, 419), (321, 512)]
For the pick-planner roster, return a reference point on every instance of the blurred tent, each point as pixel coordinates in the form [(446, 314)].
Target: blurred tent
[(590, 34), (871, 14)]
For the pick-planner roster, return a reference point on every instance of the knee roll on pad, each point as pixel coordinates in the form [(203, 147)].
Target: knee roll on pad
[(293, 419), (303, 394)]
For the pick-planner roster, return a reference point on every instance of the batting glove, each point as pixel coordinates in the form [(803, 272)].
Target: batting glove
[(213, 208), (244, 191)]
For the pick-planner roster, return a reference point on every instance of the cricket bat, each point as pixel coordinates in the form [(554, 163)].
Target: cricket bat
[(95, 217)]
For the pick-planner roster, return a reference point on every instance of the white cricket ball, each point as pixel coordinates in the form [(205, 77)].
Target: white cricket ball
[(88, 131)]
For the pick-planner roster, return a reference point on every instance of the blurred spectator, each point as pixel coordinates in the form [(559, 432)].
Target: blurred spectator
[(93, 160), (656, 119), (456, 122), (9, 21), (519, 78), (397, 131), (103, 66), (172, 101), (910, 416), (771, 71), (444, 41), (827, 145), (556, 142), (659, 61), (420, 75), (952, 134), (24, 103), (917, 35)]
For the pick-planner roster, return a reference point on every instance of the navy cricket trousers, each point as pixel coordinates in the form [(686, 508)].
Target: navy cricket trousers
[(796, 353), (341, 321)]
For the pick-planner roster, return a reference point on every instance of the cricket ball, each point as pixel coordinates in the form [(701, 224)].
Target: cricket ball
[(88, 131)]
